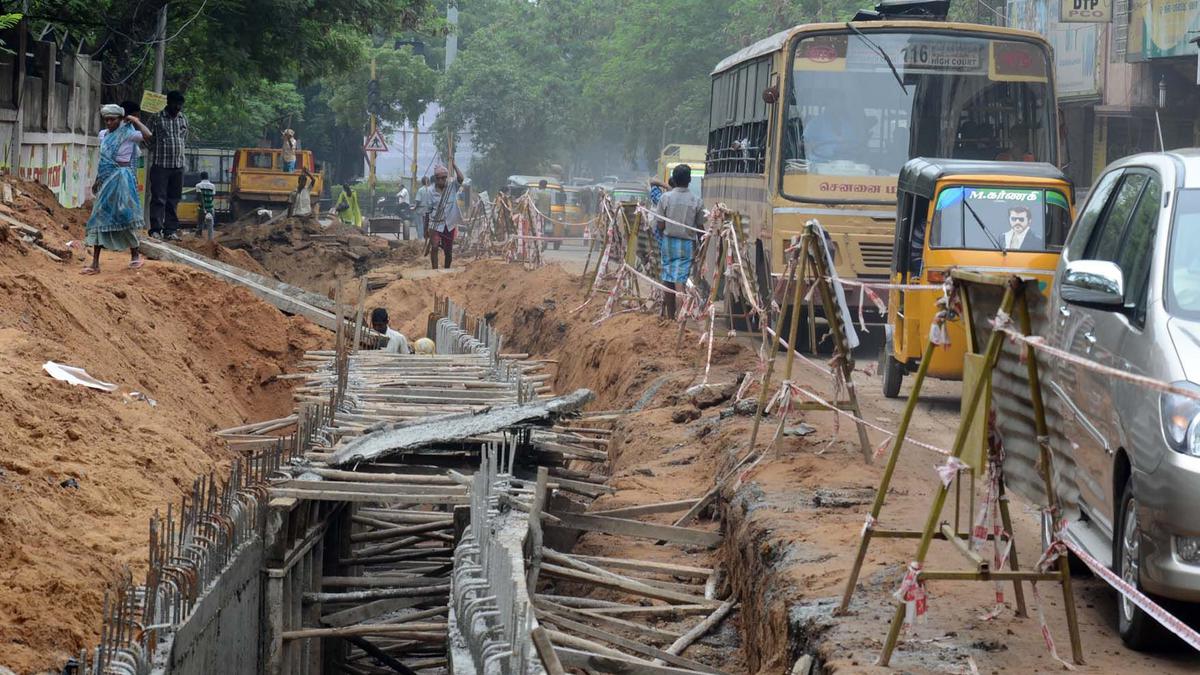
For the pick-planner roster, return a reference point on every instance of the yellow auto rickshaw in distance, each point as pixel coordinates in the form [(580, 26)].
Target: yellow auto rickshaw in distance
[(989, 216)]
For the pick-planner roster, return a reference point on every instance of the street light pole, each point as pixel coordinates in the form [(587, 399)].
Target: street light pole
[(371, 156)]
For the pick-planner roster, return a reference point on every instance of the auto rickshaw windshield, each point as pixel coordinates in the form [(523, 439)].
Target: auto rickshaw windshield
[(1000, 218)]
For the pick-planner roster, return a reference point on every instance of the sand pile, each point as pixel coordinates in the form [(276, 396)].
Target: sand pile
[(302, 252), (82, 470), (617, 359)]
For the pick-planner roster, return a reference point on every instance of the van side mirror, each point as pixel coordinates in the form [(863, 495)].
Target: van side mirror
[(1098, 284)]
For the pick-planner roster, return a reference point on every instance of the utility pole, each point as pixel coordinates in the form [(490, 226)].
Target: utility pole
[(372, 102), (161, 49), (416, 144), (451, 54)]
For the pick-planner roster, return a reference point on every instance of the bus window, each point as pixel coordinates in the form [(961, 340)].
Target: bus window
[(849, 114)]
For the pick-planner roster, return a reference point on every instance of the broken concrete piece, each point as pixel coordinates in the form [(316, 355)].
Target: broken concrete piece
[(685, 415), (801, 429), (447, 428), (708, 395)]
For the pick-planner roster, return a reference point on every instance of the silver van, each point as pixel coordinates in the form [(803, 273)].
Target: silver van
[(1127, 294)]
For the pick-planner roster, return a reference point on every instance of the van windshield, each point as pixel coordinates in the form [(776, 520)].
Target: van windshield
[(1012, 219), (1183, 279)]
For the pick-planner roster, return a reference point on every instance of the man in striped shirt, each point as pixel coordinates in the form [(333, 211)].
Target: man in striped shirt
[(167, 160)]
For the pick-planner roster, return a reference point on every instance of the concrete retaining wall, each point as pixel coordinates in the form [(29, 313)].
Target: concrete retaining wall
[(221, 634)]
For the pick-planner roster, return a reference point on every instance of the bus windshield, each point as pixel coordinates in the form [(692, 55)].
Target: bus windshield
[(855, 117)]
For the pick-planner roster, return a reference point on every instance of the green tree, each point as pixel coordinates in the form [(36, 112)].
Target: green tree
[(406, 86)]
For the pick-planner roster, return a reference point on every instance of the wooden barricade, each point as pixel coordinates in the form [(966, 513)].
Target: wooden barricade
[(1013, 304)]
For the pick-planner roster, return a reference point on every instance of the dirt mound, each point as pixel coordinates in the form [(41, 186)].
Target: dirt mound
[(83, 470), (231, 256), (535, 311), (303, 252)]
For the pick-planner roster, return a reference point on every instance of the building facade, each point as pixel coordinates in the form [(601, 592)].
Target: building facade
[(1121, 80)]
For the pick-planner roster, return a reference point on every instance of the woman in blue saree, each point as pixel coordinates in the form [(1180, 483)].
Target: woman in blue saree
[(117, 210)]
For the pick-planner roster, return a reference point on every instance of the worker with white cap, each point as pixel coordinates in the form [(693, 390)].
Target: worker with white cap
[(290, 146), (443, 212), (426, 347)]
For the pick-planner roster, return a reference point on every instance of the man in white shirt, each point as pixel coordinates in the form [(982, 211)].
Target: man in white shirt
[(419, 207), (396, 342), (1018, 237), (442, 212)]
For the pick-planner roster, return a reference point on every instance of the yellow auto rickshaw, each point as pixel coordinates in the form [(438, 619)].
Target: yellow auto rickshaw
[(989, 216)]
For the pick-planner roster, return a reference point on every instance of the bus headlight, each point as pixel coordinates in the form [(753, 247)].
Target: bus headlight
[(1181, 420)]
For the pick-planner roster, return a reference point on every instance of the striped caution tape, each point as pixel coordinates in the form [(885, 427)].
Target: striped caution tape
[(1168, 620)]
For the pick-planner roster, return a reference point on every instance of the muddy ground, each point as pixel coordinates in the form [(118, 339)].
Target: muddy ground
[(792, 527), (82, 471), (208, 355)]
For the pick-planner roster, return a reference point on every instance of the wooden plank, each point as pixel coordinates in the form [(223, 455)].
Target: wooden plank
[(631, 645), (608, 663), (370, 610), (667, 611), (647, 509), (648, 566), (370, 487), (621, 584), (611, 622), (340, 496), (633, 528), (455, 427), (545, 650), (696, 633)]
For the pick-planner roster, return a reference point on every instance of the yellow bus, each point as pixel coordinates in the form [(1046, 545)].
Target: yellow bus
[(677, 153), (816, 122)]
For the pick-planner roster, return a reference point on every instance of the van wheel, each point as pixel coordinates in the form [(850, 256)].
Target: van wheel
[(1138, 630), (892, 371)]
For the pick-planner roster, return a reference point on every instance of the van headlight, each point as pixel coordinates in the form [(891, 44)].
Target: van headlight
[(1181, 420)]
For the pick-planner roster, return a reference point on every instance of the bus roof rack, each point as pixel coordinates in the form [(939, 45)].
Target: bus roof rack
[(931, 10)]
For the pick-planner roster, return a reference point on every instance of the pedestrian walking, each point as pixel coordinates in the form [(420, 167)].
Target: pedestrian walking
[(542, 200), (443, 212), (419, 207), (678, 207), (167, 160), (347, 208), (117, 211), (207, 192), (290, 147)]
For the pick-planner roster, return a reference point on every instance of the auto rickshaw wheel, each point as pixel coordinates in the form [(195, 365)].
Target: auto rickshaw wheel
[(891, 370)]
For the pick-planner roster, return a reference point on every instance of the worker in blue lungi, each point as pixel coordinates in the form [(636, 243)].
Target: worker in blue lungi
[(681, 219)]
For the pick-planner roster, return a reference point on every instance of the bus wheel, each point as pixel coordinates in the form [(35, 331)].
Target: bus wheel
[(892, 371)]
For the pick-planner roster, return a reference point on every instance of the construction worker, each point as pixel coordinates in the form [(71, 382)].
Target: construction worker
[(346, 207), (396, 342), (443, 211), (541, 201)]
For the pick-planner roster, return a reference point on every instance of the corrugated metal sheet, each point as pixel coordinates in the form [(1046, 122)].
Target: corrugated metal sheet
[(1012, 404)]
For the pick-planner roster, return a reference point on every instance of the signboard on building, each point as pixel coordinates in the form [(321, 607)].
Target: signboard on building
[(1077, 63), (1085, 11), (1163, 28)]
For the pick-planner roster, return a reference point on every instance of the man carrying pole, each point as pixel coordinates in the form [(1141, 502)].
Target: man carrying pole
[(444, 214)]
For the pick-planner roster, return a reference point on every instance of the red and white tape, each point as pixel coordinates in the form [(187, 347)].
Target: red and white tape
[(1168, 620)]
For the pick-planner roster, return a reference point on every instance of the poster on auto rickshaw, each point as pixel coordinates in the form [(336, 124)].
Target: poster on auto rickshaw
[(996, 218)]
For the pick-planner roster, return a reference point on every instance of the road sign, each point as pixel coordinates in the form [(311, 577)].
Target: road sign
[(1085, 11), (375, 143)]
